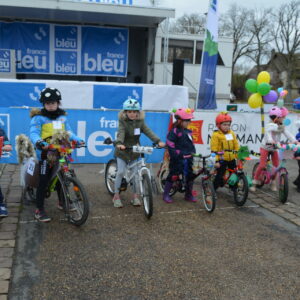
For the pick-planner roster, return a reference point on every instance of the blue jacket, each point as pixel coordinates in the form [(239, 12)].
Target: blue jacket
[(42, 128), (180, 142), (297, 153)]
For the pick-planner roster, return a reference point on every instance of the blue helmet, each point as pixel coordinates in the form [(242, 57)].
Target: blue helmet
[(131, 104)]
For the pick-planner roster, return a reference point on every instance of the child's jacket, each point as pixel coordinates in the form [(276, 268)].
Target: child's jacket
[(180, 143), (221, 142), (129, 133)]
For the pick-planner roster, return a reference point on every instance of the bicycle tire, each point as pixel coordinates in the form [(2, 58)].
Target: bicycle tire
[(147, 196), (262, 178), (31, 192), (154, 186), (243, 186), (208, 190), (283, 187), (75, 195), (162, 180), (110, 176)]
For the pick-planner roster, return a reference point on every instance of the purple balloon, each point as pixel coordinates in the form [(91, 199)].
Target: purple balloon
[(271, 97)]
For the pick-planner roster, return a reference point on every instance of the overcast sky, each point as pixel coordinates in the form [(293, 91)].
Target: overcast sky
[(201, 6)]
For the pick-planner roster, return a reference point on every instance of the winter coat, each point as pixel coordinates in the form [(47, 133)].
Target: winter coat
[(5, 140), (129, 133), (221, 141), (180, 143), (42, 128)]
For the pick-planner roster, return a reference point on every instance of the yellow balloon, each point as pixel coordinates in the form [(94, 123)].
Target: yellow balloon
[(263, 77), (255, 100)]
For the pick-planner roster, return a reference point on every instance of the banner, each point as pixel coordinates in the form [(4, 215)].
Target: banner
[(92, 126), (206, 98), (66, 50), (5, 61), (89, 95)]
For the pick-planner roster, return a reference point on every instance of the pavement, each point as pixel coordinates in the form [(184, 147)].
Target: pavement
[(183, 252)]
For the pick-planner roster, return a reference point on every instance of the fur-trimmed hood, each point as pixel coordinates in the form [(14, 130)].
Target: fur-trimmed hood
[(38, 112), (122, 115)]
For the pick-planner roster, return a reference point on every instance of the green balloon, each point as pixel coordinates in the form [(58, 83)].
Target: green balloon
[(251, 85), (263, 88)]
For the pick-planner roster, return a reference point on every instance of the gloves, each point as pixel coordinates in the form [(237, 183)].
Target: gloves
[(40, 144)]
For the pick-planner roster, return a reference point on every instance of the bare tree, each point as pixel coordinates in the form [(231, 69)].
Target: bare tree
[(236, 23), (260, 28), (286, 34), (193, 23)]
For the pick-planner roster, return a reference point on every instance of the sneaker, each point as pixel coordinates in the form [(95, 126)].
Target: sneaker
[(136, 201), (117, 201), (252, 188), (256, 182), (273, 186), (3, 211), (41, 216)]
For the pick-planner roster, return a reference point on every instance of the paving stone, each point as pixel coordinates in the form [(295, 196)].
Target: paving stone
[(4, 286), (277, 210), (6, 262), (14, 210), (296, 221), (267, 205), (13, 204), (3, 297), (6, 252), (7, 243), (5, 273), (288, 216), (8, 227), (7, 235), (15, 199), (9, 220)]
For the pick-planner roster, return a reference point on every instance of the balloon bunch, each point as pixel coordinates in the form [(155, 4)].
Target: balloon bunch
[(261, 90)]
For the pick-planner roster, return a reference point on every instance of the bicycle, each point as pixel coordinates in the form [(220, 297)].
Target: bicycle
[(72, 192), (269, 173), (208, 192), (235, 179), (145, 187)]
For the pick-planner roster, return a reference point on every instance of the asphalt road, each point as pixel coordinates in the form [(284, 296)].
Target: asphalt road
[(183, 252)]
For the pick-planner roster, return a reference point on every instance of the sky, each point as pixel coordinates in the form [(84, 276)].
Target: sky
[(201, 6)]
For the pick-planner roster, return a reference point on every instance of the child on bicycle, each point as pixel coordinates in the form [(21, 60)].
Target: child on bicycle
[(224, 140), (274, 131), (180, 146), (43, 124), (297, 157), (131, 126), (6, 147)]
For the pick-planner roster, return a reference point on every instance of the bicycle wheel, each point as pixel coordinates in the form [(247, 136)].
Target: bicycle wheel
[(110, 176), (283, 187), (262, 177), (208, 195), (147, 196), (240, 190), (76, 202), (31, 192), (162, 180)]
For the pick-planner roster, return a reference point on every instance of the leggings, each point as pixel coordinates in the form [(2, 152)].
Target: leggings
[(122, 165), (263, 161)]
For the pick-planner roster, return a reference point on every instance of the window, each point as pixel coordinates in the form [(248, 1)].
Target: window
[(199, 47), (179, 49)]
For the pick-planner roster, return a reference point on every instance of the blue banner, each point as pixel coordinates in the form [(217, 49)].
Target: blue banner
[(66, 50), (92, 126), (5, 60), (206, 98)]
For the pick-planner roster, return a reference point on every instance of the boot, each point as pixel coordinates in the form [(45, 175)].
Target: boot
[(166, 196), (189, 192), (297, 181)]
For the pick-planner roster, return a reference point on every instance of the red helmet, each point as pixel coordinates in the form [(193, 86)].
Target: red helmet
[(223, 117)]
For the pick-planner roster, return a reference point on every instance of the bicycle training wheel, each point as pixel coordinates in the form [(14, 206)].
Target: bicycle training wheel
[(147, 196), (110, 176), (262, 179), (76, 201), (283, 187), (209, 195), (240, 190)]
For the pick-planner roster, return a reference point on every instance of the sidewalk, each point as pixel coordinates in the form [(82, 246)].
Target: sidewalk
[(9, 181)]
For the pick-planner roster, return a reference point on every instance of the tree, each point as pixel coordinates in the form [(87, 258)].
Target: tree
[(286, 34), (193, 23)]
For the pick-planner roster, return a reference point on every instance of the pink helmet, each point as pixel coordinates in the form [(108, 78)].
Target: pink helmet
[(184, 114), (279, 112)]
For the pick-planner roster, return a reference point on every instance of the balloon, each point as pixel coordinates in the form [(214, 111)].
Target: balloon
[(255, 100), (263, 88), (280, 103), (271, 97), (263, 77), (287, 122), (251, 85), (279, 90)]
